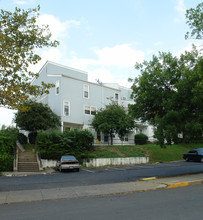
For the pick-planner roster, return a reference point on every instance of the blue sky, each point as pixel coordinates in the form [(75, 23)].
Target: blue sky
[(107, 37)]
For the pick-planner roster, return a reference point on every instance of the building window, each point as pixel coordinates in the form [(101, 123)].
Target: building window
[(66, 108), (86, 91), (57, 87), (93, 111), (116, 98), (125, 138), (90, 110), (87, 110)]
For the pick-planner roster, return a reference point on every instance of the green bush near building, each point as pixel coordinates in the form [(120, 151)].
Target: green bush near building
[(8, 137), (140, 139), (52, 145)]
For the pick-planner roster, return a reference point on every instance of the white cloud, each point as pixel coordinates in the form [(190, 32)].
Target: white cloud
[(188, 48), (19, 2), (58, 29), (23, 2), (119, 55), (81, 63), (103, 74), (158, 43), (109, 64), (181, 10)]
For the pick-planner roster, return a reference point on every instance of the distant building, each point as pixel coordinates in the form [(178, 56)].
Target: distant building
[(76, 100)]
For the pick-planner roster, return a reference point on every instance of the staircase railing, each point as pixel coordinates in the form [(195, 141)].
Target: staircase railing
[(15, 163), (19, 145)]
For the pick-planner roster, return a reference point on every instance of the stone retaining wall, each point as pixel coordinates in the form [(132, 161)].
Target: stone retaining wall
[(103, 161)]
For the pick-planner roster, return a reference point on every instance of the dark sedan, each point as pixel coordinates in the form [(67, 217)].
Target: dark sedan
[(194, 155)]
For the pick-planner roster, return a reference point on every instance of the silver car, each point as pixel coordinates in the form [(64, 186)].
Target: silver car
[(68, 163)]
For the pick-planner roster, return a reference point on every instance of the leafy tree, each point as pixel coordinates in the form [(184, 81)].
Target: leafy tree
[(113, 120), (195, 21), (20, 36), (37, 117), (169, 95)]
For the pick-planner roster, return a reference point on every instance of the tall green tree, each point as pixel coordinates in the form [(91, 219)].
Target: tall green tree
[(20, 37), (37, 117), (194, 17), (113, 120), (169, 95)]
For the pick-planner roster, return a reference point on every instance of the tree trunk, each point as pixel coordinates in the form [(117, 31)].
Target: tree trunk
[(111, 136)]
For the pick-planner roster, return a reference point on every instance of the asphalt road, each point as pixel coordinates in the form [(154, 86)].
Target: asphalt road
[(99, 176), (168, 204)]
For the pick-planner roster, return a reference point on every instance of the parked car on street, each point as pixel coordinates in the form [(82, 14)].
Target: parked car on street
[(68, 162), (194, 155)]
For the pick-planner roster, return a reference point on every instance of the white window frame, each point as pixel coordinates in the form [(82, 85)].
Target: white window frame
[(86, 91), (66, 103), (57, 87), (124, 138), (87, 108)]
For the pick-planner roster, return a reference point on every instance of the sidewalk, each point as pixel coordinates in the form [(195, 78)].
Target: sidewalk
[(99, 190)]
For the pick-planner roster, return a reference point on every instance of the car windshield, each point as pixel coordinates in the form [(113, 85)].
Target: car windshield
[(68, 158), (200, 150)]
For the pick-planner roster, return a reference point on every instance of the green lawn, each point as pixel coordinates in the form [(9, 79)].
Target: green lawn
[(155, 152)]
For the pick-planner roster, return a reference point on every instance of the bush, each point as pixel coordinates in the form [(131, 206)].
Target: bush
[(8, 138), (81, 139), (52, 145), (140, 139), (22, 138)]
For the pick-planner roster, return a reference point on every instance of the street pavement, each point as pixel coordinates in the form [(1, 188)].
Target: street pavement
[(145, 184)]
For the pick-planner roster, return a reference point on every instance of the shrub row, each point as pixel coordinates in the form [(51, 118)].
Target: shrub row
[(8, 138), (52, 145)]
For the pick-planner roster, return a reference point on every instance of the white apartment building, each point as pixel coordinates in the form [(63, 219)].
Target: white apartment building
[(76, 100)]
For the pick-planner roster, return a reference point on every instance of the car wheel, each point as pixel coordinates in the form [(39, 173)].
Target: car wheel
[(78, 169), (187, 159), (201, 160)]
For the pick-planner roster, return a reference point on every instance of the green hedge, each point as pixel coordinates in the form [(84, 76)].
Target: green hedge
[(52, 145), (140, 139), (8, 138)]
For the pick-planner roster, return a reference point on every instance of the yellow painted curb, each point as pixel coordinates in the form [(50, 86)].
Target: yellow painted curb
[(149, 178), (174, 185)]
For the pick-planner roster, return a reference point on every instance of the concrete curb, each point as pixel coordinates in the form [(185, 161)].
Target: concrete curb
[(10, 174), (181, 184), (149, 178), (175, 185)]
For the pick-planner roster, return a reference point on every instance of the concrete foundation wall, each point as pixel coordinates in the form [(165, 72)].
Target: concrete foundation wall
[(103, 162)]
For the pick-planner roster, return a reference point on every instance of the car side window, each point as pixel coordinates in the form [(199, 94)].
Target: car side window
[(192, 151)]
